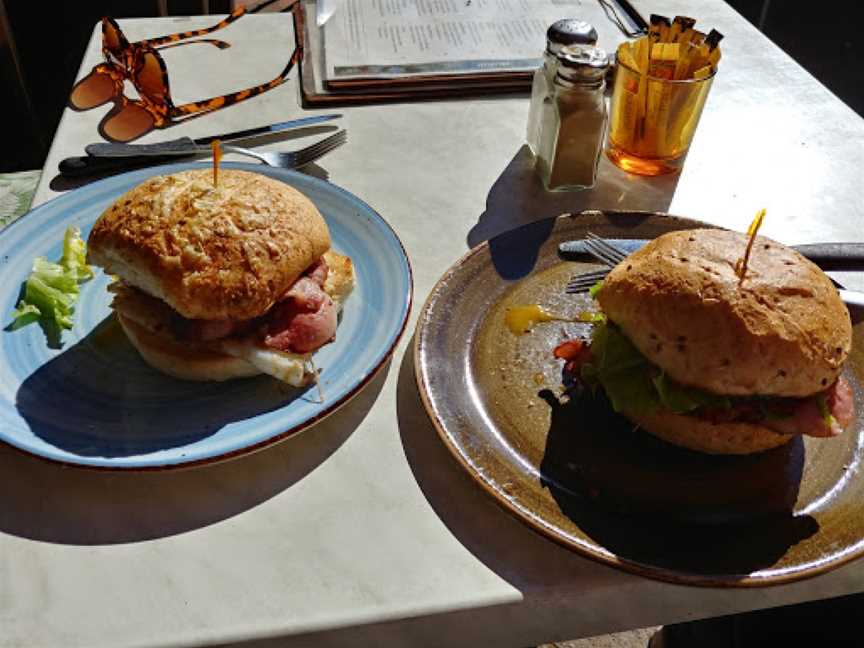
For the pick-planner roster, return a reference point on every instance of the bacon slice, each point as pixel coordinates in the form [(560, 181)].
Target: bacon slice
[(806, 417), (318, 272), (304, 321), (841, 403)]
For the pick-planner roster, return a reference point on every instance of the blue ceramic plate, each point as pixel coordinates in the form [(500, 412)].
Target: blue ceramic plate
[(94, 402)]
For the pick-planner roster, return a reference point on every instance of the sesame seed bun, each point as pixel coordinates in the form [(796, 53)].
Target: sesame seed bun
[(182, 360), (711, 438), (783, 331), (225, 252)]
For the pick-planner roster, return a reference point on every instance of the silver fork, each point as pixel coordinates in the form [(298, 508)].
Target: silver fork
[(293, 159), (603, 251)]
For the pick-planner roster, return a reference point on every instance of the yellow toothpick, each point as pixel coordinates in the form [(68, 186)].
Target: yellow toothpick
[(217, 157), (741, 266)]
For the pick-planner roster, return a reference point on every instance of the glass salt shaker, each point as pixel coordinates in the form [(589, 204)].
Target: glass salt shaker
[(562, 35), (573, 121)]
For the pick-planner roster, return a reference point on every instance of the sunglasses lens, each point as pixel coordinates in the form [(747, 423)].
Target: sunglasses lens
[(112, 38), (151, 80), (130, 122), (93, 90)]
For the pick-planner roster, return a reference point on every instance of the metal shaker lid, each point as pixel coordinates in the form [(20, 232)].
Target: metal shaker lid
[(586, 64), (569, 31)]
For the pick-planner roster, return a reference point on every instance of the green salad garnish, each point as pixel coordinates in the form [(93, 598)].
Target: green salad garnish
[(825, 411), (633, 383), (51, 289)]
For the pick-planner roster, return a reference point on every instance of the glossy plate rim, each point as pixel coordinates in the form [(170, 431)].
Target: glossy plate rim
[(596, 553), (407, 301)]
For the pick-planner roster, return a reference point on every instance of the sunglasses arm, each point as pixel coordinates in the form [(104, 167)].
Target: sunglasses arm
[(234, 97), (173, 38), (209, 41)]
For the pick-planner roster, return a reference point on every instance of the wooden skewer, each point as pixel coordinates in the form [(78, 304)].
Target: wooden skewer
[(216, 147), (741, 266)]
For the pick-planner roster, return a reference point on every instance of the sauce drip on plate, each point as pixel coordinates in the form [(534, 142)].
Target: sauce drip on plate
[(521, 319)]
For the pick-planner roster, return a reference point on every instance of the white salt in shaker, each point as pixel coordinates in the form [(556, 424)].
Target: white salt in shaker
[(561, 36), (573, 122)]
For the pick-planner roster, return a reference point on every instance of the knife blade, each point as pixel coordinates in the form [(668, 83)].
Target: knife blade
[(188, 146), (828, 256), (86, 165), (134, 157)]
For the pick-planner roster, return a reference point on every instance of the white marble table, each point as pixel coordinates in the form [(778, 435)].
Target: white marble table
[(363, 531)]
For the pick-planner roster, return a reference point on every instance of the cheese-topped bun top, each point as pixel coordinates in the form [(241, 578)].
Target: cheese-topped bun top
[(782, 331), (211, 252)]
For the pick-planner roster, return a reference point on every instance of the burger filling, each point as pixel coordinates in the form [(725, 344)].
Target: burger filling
[(301, 322), (633, 383)]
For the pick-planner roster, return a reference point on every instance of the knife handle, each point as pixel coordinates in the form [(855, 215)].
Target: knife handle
[(834, 256), (86, 165), (181, 146)]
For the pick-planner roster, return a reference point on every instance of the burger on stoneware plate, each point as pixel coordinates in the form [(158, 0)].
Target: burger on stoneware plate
[(701, 358), (225, 281)]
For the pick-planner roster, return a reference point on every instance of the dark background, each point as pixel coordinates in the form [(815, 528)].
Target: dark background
[(50, 39), (823, 37)]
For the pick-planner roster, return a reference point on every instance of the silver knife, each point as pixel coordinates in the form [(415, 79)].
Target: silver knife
[(828, 256), (840, 255), (188, 146)]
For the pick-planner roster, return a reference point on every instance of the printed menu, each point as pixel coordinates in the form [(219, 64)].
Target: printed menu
[(387, 40)]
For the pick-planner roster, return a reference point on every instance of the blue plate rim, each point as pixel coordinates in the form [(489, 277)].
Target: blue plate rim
[(94, 464)]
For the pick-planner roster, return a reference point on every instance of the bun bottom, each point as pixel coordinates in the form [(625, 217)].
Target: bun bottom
[(184, 362), (711, 438)]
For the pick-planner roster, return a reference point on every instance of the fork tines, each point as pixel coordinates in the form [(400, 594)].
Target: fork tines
[(312, 153), (581, 283), (603, 251), (609, 254)]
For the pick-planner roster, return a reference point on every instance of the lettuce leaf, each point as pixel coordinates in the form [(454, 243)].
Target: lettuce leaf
[(51, 289), (824, 410), (25, 314), (74, 257), (682, 399), (633, 383), (623, 372)]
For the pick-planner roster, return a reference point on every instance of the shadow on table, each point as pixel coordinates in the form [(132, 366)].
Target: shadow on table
[(45, 501), (517, 554), (526, 559), (518, 198), (65, 183), (669, 508), (98, 399)]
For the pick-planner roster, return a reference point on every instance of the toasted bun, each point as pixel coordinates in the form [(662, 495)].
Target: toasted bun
[(181, 361), (784, 331), (226, 252), (705, 436), (146, 322)]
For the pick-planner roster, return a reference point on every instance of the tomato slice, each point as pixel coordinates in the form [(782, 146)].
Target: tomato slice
[(570, 350)]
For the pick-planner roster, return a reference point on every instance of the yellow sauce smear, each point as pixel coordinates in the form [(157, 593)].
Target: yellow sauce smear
[(216, 147), (521, 319)]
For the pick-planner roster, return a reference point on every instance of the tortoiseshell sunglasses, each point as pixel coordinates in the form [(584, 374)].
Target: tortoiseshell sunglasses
[(142, 64)]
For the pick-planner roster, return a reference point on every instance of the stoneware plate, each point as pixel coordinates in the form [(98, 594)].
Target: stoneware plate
[(94, 402), (579, 474)]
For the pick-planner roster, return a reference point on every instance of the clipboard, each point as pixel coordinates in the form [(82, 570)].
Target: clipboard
[(314, 92)]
